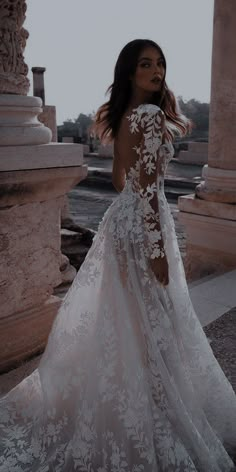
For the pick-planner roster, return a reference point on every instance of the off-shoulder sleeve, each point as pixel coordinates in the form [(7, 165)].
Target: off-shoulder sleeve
[(151, 121)]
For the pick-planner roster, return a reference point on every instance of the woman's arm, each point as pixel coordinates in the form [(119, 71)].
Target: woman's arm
[(151, 120), (152, 124)]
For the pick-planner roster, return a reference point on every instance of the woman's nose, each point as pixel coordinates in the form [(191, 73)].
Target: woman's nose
[(159, 69)]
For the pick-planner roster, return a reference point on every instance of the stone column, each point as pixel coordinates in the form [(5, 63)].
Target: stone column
[(13, 70), (48, 115), (38, 82), (35, 175), (19, 123), (210, 215), (220, 174)]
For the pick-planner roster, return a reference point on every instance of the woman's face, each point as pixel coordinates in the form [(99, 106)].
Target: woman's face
[(150, 70)]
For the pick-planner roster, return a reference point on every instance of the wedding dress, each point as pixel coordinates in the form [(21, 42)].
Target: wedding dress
[(128, 381)]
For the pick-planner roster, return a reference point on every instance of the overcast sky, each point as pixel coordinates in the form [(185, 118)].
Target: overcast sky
[(78, 41)]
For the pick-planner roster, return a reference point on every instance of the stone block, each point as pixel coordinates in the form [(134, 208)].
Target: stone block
[(47, 156), (106, 150), (48, 118), (194, 146), (21, 187), (30, 255), (191, 204), (68, 272), (86, 149), (211, 234), (190, 157), (67, 139), (32, 186), (25, 333)]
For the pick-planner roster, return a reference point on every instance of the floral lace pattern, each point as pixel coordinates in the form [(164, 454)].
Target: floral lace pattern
[(149, 169), (128, 381)]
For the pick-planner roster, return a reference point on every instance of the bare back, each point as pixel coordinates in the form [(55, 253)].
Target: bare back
[(124, 154)]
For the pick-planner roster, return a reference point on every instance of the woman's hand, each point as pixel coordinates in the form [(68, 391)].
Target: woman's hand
[(161, 269)]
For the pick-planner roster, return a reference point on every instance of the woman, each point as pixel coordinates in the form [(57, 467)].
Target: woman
[(128, 381)]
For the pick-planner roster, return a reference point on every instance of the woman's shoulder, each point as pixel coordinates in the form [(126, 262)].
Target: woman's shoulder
[(145, 115), (149, 108)]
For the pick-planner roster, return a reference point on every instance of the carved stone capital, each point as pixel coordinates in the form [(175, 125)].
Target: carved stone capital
[(13, 70)]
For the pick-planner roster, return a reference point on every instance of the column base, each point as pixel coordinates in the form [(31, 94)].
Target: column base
[(25, 333), (219, 185), (19, 125), (211, 235), (32, 183)]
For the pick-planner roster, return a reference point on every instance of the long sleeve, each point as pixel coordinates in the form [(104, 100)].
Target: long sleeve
[(151, 121)]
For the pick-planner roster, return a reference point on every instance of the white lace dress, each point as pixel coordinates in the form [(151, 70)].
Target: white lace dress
[(128, 381)]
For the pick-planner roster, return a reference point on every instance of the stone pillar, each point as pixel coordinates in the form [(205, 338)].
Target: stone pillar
[(38, 82), (220, 174), (210, 215), (13, 70), (19, 123), (48, 115), (35, 175)]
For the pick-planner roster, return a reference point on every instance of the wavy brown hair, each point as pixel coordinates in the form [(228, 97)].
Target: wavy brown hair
[(108, 116)]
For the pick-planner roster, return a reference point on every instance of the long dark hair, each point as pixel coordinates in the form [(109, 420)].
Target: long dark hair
[(108, 116)]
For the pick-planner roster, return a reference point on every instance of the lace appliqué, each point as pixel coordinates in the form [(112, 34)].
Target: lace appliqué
[(149, 169)]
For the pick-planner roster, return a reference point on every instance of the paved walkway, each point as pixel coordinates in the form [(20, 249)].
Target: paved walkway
[(213, 296), (222, 337), (180, 179), (176, 169)]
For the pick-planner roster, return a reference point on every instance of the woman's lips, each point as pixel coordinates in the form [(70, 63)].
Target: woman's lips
[(156, 80)]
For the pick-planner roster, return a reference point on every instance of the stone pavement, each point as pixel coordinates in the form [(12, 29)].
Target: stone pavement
[(222, 336), (180, 179), (213, 295), (176, 169)]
